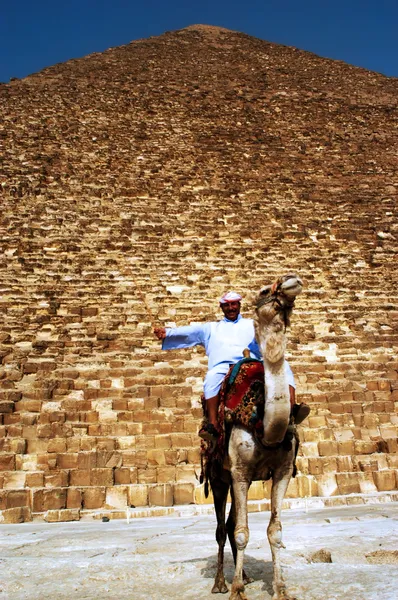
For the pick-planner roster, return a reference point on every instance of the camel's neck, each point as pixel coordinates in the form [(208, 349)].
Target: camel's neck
[(277, 404)]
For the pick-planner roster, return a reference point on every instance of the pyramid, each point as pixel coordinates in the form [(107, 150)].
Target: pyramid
[(140, 183)]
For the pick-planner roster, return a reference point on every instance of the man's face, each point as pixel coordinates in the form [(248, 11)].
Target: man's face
[(231, 310)]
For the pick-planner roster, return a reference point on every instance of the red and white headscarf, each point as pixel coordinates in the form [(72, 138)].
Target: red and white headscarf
[(230, 297)]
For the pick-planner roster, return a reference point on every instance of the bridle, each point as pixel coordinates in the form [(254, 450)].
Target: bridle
[(273, 298)]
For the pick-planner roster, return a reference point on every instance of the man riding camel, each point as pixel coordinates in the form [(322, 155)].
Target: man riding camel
[(224, 342)]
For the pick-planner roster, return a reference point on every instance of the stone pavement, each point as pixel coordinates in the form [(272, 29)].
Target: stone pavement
[(171, 557)]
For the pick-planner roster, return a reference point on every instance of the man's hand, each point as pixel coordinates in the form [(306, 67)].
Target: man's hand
[(160, 332)]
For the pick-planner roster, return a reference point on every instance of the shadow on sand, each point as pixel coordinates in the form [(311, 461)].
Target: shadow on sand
[(258, 570)]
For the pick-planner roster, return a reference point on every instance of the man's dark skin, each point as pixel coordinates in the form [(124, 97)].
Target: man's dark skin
[(231, 312)]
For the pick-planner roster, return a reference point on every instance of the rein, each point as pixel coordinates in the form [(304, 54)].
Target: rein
[(274, 299)]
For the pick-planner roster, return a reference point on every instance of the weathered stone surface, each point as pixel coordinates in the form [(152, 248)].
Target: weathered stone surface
[(128, 198)]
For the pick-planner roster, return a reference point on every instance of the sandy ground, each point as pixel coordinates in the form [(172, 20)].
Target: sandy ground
[(175, 557)]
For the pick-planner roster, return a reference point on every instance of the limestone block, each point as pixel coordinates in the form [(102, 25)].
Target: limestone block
[(184, 493), (156, 457), (34, 479), (309, 449), (186, 474), (17, 498), (26, 462), (366, 483), (116, 497), (348, 483), (58, 479), (53, 499), (385, 480), (67, 461), (346, 447), (57, 516), (365, 447), (93, 497), (101, 477), (14, 480), (199, 495), (166, 474), (15, 515), (306, 486), (292, 489), (160, 495), (126, 442), (138, 495), (148, 475), (327, 448), (327, 485), (122, 476), (256, 491), (7, 462), (80, 477), (162, 442), (74, 498)]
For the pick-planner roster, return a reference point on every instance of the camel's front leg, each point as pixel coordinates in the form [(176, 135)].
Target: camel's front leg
[(280, 482), (220, 493), (241, 452)]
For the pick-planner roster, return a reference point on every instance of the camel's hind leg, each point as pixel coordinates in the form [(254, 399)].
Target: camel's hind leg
[(280, 481), (241, 535), (220, 493)]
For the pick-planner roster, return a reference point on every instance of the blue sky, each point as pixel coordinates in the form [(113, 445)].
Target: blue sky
[(40, 33)]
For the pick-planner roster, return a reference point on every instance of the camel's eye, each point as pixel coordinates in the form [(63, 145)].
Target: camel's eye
[(265, 291)]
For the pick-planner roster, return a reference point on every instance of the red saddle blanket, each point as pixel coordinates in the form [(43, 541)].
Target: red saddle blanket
[(242, 393)]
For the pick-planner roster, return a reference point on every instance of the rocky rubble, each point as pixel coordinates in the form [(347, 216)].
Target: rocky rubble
[(137, 185)]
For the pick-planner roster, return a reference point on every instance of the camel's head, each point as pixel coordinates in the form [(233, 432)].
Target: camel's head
[(278, 298)]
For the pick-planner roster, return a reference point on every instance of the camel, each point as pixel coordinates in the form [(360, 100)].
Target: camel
[(252, 459)]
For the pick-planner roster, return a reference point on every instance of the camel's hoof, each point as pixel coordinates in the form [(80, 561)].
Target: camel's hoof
[(219, 588), (282, 595), (238, 592), (247, 579), (238, 596)]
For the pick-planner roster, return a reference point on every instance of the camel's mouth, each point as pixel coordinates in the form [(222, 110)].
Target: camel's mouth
[(293, 286)]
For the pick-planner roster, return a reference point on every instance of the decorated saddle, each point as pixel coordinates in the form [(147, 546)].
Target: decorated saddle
[(242, 393)]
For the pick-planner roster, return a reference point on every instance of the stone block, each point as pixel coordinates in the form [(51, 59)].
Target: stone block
[(309, 449), (93, 498), (43, 500), (116, 497), (327, 448), (256, 491), (122, 476), (17, 498), (14, 479), (57, 516), (67, 461), (348, 483), (148, 475), (385, 480), (80, 477), (186, 474), (101, 477), (306, 486), (58, 479), (57, 445), (327, 485), (166, 474), (366, 483), (34, 479), (156, 457), (12, 516), (184, 493), (74, 498), (138, 495), (7, 462), (160, 495)]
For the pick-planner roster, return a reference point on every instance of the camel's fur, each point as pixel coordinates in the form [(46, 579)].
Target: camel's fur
[(251, 460)]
